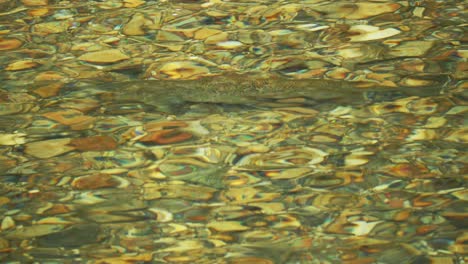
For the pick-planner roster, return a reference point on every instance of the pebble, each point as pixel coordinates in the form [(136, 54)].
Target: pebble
[(49, 76), (288, 173), (104, 56), (368, 9), (413, 82), (217, 38), (82, 105), (177, 190), (21, 65), (53, 220), (204, 33), (276, 158), (12, 139), (96, 181), (367, 33), (54, 27), (133, 3), (56, 209), (48, 90), (357, 158), (248, 195), (182, 70), (9, 43), (167, 136), (135, 26), (457, 110), (227, 226), (94, 143), (356, 11), (38, 12), (73, 118), (48, 148), (7, 223), (166, 36), (411, 48), (162, 216), (229, 44)]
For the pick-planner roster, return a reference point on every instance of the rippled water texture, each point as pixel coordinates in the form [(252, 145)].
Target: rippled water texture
[(233, 132)]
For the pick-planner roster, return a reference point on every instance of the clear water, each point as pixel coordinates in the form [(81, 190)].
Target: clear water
[(233, 132)]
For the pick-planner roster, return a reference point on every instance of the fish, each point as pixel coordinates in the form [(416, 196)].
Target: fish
[(174, 96)]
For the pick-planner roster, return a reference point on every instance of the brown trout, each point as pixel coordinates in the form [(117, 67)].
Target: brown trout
[(250, 90)]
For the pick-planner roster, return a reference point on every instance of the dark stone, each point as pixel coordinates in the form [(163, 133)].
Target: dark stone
[(75, 236)]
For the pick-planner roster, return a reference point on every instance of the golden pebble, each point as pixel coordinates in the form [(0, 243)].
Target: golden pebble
[(53, 27), (166, 36), (135, 26), (133, 3), (7, 223), (8, 44), (204, 33), (38, 12), (360, 33), (214, 39), (21, 65), (412, 82), (231, 44), (12, 139), (226, 226), (338, 73), (183, 69), (48, 148), (422, 134), (104, 56), (49, 76)]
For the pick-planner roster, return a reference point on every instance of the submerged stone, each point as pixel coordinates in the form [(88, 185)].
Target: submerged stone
[(72, 237)]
